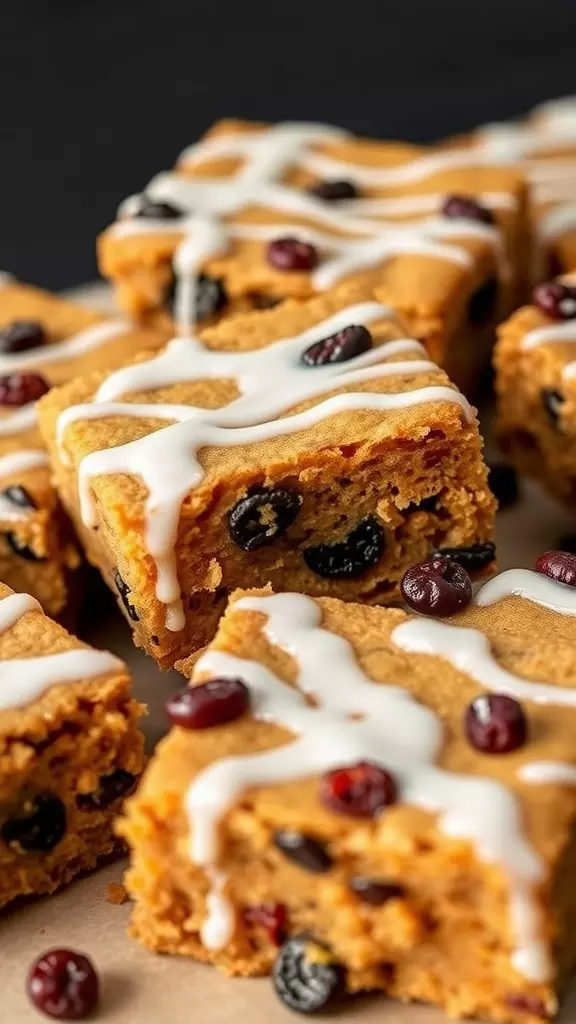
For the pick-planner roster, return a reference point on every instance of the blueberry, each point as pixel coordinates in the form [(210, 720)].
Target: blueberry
[(154, 210), (306, 977), (19, 496), (334, 191), (21, 335), (307, 852), (263, 516), (346, 559), (110, 789), (338, 348), (41, 826), (211, 296), (477, 556)]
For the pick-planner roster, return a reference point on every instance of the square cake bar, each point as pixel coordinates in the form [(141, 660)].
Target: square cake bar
[(388, 798), (70, 748), (292, 210), (44, 340), (536, 385), (312, 446)]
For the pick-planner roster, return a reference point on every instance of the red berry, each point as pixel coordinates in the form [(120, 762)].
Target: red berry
[(63, 984), (440, 586), (361, 790), (495, 724), (559, 566), (291, 254), (22, 388), (212, 703), (272, 917), (555, 300), (466, 207)]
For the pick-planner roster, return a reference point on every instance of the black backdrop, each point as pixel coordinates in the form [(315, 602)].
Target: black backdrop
[(97, 96)]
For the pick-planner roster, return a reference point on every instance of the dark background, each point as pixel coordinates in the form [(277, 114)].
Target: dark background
[(98, 96)]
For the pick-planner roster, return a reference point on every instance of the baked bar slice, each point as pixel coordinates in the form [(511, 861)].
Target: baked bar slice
[(535, 362), (311, 446), (70, 748), (330, 790), (543, 144), (271, 212), (44, 340)]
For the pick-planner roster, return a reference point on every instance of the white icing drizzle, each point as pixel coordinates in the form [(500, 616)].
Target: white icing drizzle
[(19, 462), (86, 340), (555, 334), (167, 459), (548, 773), (353, 719), (210, 205), (23, 680), (18, 420), (533, 586), (6, 279)]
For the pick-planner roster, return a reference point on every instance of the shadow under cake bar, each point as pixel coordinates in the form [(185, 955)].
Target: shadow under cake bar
[(544, 146), (70, 748), (288, 211), (338, 787), (535, 363), (312, 446), (44, 340)]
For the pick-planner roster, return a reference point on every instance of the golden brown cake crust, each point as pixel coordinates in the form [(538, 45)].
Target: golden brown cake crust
[(417, 469), (446, 938)]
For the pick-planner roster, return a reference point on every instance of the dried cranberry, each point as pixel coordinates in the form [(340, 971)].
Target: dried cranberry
[(559, 566), (21, 549), (552, 400), (63, 984), (338, 348), (503, 482), (555, 300), (374, 892), (472, 558), (21, 335), (41, 826), (153, 209), (19, 496), (291, 254), (495, 724), (346, 559), (305, 977), (211, 296), (334, 191), (361, 790), (214, 702), (438, 586), (123, 589), (22, 388), (305, 851), (461, 206), (272, 917), (110, 789), (531, 1005), (263, 516)]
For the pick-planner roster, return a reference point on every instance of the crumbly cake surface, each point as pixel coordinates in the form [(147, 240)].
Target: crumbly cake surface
[(70, 746), (469, 924), (381, 439)]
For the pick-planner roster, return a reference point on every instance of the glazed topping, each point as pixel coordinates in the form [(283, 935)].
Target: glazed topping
[(350, 558), (39, 826), (21, 335), (63, 984), (439, 586), (272, 918), (291, 254), (362, 790), (559, 566), (495, 724), (263, 516), (157, 210), (168, 462), (556, 300), (473, 558), (533, 586), (306, 977), (334, 191), (468, 208), (375, 892), (307, 852), (22, 388), (212, 703), (353, 718), (338, 348)]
